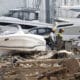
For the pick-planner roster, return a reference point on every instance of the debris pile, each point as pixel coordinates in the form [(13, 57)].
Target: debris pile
[(47, 69)]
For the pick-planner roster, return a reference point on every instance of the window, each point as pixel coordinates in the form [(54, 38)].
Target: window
[(15, 15), (72, 2), (41, 31), (8, 28), (27, 26), (65, 2), (78, 16), (33, 31), (48, 30), (20, 15), (78, 2)]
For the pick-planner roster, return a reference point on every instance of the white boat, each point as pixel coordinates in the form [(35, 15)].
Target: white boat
[(12, 37)]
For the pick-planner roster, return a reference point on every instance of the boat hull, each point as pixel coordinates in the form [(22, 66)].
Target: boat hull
[(22, 43)]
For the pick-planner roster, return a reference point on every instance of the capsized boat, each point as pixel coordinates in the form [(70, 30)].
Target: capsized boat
[(12, 37)]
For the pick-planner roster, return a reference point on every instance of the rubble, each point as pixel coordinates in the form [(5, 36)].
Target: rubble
[(47, 69), (39, 68)]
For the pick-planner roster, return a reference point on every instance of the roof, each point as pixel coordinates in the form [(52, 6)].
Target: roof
[(23, 22), (33, 10), (75, 21)]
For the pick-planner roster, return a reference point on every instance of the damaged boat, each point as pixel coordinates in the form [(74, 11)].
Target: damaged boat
[(12, 37)]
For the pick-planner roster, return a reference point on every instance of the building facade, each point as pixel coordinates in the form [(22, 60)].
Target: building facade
[(48, 10), (6, 5), (56, 9), (62, 10)]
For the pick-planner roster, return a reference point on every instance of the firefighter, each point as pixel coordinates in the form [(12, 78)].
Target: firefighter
[(59, 39)]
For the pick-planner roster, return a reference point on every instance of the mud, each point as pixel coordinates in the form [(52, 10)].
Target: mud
[(33, 67), (47, 69)]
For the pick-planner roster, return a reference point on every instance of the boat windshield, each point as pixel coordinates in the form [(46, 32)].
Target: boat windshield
[(7, 28), (65, 25)]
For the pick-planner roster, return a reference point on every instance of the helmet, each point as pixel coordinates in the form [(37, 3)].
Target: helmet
[(53, 30), (61, 30)]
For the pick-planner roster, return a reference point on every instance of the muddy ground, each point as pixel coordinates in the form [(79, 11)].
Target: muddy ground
[(42, 69), (27, 67)]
